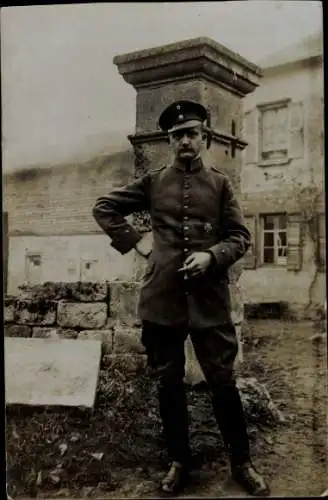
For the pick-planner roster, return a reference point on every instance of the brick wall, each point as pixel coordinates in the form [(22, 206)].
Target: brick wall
[(59, 200)]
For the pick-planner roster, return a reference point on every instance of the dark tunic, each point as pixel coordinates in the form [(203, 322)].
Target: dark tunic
[(194, 210)]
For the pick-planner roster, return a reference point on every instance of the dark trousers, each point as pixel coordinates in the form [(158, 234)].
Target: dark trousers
[(216, 349)]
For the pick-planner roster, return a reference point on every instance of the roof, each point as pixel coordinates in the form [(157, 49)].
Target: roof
[(86, 149), (311, 46)]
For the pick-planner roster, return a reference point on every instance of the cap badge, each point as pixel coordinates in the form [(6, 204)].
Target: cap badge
[(180, 117), (208, 227)]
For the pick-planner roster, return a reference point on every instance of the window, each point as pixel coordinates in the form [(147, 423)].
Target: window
[(33, 263), (274, 132), (274, 239), (277, 241), (89, 270), (72, 269), (35, 260)]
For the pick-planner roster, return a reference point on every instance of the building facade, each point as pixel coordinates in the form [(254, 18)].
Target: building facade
[(52, 235), (283, 180)]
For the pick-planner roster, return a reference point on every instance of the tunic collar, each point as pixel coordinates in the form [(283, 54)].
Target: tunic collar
[(196, 164)]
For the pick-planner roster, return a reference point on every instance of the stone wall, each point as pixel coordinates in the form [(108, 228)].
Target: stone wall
[(98, 311)]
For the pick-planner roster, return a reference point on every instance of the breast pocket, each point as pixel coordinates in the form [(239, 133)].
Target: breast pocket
[(205, 232)]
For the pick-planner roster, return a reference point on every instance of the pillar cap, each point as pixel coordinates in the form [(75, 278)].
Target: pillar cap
[(202, 57)]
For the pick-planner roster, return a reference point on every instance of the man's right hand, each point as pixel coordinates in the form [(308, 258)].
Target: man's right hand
[(145, 245)]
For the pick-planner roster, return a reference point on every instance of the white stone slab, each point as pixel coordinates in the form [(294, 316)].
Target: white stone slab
[(51, 371)]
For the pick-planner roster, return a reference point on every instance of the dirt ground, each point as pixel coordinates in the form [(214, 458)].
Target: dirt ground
[(291, 360)]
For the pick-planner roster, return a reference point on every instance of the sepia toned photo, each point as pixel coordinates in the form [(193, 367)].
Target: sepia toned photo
[(164, 250)]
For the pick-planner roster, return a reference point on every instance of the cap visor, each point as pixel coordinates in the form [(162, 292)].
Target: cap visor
[(187, 124)]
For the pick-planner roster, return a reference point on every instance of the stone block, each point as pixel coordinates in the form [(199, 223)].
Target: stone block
[(46, 291), (41, 312), (124, 298), (51, 372), (67, 333), (82, 315), (105, 336), (88, 292), (54, 333), (129, 364), (17, 331), (127, 340), (9, 310), (45, 333), (80, 291)]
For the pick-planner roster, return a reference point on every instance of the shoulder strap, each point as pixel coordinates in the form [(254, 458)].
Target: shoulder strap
[(219, 171), (154, 170)]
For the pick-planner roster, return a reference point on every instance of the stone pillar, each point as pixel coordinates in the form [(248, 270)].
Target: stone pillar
[(202, 70)]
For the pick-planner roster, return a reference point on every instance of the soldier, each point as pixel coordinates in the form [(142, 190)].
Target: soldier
[(198, 233)]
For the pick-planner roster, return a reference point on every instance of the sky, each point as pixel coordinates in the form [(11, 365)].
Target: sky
[(62, 96)]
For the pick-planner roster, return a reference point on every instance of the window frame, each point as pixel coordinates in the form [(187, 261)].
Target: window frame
[(266, 106), (250, 259), (275, 231), (28, 255), (83, 263)]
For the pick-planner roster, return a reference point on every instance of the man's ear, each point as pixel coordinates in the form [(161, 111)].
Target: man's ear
[(208, 139), (208, 129), (207, 136)]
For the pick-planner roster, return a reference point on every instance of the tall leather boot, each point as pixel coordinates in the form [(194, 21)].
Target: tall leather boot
[(229, 414), (174, 415)]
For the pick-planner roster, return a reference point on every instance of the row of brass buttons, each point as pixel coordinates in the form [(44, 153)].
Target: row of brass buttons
[(185, 227)]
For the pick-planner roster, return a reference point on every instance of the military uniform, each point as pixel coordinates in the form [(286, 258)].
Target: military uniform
[(192, 209)]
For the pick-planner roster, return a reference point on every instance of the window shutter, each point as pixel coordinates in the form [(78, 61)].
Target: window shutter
[(296, 130), (250, 258), (322, 241), (322, 126), (294, 250), (250, 131), (267, 130)]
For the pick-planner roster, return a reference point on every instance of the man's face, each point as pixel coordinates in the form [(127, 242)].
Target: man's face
[(187, 143)]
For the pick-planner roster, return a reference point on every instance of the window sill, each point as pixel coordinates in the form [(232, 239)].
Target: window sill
[(275, 266), (272, 163)]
